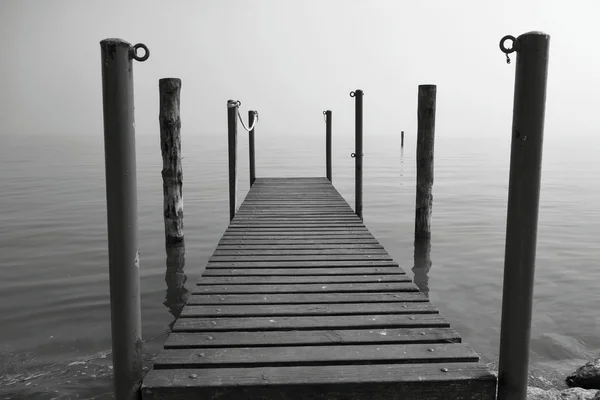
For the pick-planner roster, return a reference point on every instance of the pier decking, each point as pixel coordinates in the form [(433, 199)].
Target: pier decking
[(300, 301)]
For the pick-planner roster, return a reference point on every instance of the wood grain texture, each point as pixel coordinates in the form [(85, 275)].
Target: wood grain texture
[(313, 272), (172, 171), (178, 340), (304, 298), (302, 264), (309, 323), (300, 301), (307, 309), (311, 355), (273, 280), (306, 288), (434, 381)]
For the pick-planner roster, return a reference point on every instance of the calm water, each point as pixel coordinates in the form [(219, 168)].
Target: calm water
[(54, 311)]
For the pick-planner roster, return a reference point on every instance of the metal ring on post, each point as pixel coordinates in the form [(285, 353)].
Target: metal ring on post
[(352, 94), (513, 46), (353, 155), (506, 50), (135, 49)]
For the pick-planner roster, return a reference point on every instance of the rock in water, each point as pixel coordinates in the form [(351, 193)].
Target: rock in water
[(534, 393), (586, 376)]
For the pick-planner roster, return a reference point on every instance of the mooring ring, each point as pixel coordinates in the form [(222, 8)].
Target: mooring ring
[(352, 155), (135, 49), (352, 94), (513, 46)]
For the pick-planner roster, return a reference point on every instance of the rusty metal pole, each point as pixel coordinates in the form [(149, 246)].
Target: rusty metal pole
[(522, 215), (232, 110), (121, 205), (358, 150), (328, 121)]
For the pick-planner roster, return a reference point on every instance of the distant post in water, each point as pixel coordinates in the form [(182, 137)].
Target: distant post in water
[(402, 139), (328, 144), (172, 172), (232, 110), (358, 152), (425, 142), (251, 115), (121, 207), (522, 215)]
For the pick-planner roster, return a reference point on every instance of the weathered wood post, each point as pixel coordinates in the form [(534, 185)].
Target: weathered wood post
[(523, 204), (251, 124), (425, 141), (121, 207), (328, 121), (422, 264), (232, 110), (402, 139), (358, 152), (172, 172), (175, 279)]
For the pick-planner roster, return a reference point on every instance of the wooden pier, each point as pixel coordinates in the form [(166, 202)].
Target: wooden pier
[(300, 301)]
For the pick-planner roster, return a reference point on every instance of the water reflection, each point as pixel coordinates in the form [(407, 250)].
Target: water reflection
[(402, 161), (422, 259), (175, 278)]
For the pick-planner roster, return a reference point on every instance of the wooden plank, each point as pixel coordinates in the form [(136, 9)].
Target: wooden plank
[(296, 218), (253, 241), (309, 323), (250, 357), (302, 271), (289, 252), (308, 298), (177, 340), (433, 381), (276, 212), (302, 264), (287, 310), (271, 280), (298, 246), (299, 235), (291, 225), (317, 257), (307, 288)]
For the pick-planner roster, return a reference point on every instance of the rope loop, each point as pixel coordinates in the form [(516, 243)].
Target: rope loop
[(253, 123)]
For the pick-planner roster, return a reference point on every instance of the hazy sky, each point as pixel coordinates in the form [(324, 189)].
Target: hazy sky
[(293, 59)]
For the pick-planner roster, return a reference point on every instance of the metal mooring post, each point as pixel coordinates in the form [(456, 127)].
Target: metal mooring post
[(358, 150), (251, 120), (328, 121), (523, 204), (232, 110), (121, 204)]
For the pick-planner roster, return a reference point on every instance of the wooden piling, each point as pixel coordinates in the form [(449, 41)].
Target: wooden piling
[(175, 278), (425, 142), (172, 172), (422, 264), (232, 109), (402, 139), (251, 116)]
